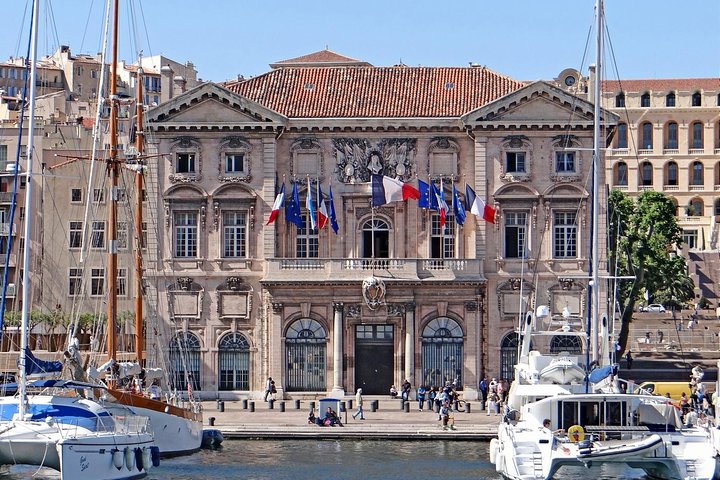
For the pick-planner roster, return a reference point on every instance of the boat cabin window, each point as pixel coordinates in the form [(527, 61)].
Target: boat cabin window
[(592, 413)]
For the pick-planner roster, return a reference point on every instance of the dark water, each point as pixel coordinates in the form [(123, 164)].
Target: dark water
[(335, 460)]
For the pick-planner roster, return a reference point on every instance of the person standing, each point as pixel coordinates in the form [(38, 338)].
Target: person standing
[(359, 403), (629, 359), (421, 397), (406, 387), (483, 392), (268, 388)]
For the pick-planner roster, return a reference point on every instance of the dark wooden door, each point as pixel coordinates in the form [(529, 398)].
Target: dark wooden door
[(374, 353)]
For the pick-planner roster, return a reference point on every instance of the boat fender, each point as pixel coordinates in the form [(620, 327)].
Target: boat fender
[(499, 459), (493, 449), (576, 433), (147, 458), (139, 463), (129, 458), (155, 454), (117, 458)]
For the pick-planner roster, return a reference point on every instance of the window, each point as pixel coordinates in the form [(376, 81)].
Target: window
[(564, 162), (97, 282), (620, 99), (672, 174), (234, 163), (234, 234), (564, 235), (78, 71), (690, 238), (670, 99), (515, 162), (76, 195), (306, 242), (75, 282), (716, 209), (647, 173), (695, 208), (645, 100), (442, 243), (621, 174), (185, 163), (122, 282), (622, 138), (672, 136), (696, 99), (93, 73), (697, 135), (122, 194), (144, 229), (97, 235), (697, 174), (186, 234), (515, 234), (646, 138), (234, 362), (122, 235), (98, 195), (375, 239), (76, 229)]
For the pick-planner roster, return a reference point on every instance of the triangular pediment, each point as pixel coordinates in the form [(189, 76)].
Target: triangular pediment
[(212, 106), (538, 104)]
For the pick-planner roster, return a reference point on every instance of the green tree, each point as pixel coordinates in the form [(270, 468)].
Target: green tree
[(642, 234)]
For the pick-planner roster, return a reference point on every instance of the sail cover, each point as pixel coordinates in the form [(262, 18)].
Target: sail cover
[(35, 365)]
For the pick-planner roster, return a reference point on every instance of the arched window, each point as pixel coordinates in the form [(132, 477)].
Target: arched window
[(622, 138), (670, 99), (697, 135), (647, 173), (376, 239), (677, 207), (234, 362), (566, 343), (508, 354), (696, 174), (646, 136), (185, 361), (620, 99), (621, 172), (305, 353), (671, 136), (696, 99), (695, 207), (645, 100), (442, 352), (671, 174)]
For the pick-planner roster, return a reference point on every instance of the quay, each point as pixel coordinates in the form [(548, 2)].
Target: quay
[(388, 422)]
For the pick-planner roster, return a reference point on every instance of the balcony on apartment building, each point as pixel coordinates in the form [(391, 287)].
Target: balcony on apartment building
[(356, 269)]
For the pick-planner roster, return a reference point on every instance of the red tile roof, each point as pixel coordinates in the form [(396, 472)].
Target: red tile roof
[(351, 92), (317, 59), (661, 85)]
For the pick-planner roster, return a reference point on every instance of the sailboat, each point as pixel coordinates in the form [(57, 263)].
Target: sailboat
[(58, 427), (567, 409)]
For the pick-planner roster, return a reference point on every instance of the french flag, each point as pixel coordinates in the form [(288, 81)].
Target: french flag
[(476, 206), (310, 205), (322, 212), (279, 200), (443, 208), (387, 190)]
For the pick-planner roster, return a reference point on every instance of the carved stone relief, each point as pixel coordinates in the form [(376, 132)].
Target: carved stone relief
[(356, 159), (234, 145), (191, 146)]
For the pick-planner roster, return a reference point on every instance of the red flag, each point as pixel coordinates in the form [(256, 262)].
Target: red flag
[(322, 212), (277, 205)]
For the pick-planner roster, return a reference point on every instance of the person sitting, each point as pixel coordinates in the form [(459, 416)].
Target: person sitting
[(154, 391), (311, 418), (331, 418), (393, 391)]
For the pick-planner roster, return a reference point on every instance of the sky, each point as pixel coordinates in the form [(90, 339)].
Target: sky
[(523, 39)]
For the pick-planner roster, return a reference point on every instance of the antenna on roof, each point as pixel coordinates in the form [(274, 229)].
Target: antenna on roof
[(327, 47)]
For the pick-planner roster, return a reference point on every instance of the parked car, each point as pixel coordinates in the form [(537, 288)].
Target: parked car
[(653, 307)]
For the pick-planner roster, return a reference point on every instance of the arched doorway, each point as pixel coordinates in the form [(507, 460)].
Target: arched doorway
[(442, 352), (305, 350), (233, 362), (566, 343), (185, 361), (508, 355), (376, 239)]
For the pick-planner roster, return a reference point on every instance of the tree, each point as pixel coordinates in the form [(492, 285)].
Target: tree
[(641, 236)]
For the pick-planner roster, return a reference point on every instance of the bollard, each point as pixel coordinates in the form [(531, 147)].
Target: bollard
[(221, 406), (282, 406), (244, 404), (312, 406), (252, 406), (402, 404), (297, 404), (406, 407), (271, 404), (349, 404), (212, 421), (467, 407), (373, 406), (342, 407), (218, 404)]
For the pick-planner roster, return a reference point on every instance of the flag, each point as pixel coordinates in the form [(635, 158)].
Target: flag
[(310, 207), (292, 208), (458, 206), (476, 206), (333, 218), (386, 190), (424, 189), (442, 205), (322, 213), (279, 200)]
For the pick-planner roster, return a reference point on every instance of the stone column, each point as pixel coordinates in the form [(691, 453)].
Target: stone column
[(274, 349), (410, 343), (338, 391)]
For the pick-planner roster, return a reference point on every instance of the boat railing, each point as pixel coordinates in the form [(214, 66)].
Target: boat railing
[(109, 425)]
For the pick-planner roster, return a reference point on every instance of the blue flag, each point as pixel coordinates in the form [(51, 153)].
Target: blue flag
[(333, 218), (292, 208), (434, 194), (424, 188), (458, 207)]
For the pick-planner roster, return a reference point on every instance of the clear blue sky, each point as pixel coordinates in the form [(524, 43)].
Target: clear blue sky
[(524, 39)]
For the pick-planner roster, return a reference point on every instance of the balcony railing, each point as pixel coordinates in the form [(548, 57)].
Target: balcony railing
[(671, 151), (5, 228), (717, 187), (6, 197), (696, 188), (696, 151), (645, 151), (11, 262), (671, 188), (619, 151), (644, 188)]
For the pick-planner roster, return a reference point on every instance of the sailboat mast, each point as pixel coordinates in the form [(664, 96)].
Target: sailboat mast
[(113, 171), (22, 387), (139, 143), (596, 182)]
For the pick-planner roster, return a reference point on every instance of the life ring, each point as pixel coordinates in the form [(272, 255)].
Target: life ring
[(576, 433)]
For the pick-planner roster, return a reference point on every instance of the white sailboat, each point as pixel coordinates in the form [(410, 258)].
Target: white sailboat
[(600, 423), (57, 427)]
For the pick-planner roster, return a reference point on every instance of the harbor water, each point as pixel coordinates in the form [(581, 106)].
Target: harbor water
[(332, 460)]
